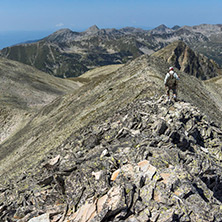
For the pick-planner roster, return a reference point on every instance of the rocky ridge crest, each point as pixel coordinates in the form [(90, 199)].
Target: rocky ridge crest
[(98, 98), (149, 161), (115, 149)]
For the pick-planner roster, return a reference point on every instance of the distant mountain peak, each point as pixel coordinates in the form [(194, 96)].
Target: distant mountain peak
[(62, 35), (61, 31), (161, 29), (162, 26), (92, 29), (175, 27), (132, 30)]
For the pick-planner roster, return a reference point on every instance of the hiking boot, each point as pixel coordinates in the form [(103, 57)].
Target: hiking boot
[(175, 99)]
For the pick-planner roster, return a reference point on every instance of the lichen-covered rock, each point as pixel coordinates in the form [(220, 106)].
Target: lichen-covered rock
[(168, 170), (42, 218)]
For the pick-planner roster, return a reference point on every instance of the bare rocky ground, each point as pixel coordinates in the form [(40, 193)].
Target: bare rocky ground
[(150, 161), (114, 150)]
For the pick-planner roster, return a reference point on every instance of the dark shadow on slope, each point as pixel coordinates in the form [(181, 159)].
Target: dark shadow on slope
[(200, 192), (181, 141), (195, 133), (214, 183)]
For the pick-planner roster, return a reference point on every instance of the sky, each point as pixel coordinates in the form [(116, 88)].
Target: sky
[(46, 16)]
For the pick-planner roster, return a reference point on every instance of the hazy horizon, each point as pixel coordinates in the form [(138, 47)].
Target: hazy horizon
[(9, 38), (44, 17)]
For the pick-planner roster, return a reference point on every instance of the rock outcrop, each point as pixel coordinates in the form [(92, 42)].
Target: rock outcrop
[(149, 161), (179, 55)]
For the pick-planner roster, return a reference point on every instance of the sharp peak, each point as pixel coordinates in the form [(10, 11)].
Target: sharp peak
[(162, 26), (93, 28), (175, 27)]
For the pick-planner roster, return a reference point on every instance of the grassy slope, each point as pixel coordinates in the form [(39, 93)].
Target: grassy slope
[(27, 87), (214, 86), (23, 91)]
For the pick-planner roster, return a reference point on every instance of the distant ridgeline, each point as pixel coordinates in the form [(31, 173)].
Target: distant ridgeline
[(69, 54)]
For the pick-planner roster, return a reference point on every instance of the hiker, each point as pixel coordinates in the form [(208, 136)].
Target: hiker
[(170, 83)]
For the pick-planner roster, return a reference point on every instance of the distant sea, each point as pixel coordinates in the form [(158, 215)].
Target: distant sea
[(9, 38)]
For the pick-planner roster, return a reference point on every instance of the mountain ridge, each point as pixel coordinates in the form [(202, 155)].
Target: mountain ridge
[(140, 150), (116, 148), (68, 54), (101, 92), (179, 55)]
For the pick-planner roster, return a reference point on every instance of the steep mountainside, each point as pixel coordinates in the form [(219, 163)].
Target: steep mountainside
[(23, 91), (66, 53), (205, 39), (214, 86), (178, 54), (115, 149)]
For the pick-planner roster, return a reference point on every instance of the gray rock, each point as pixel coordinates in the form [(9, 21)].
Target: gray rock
[(160, 127), (42, 218), (104, 153), (166, 171)]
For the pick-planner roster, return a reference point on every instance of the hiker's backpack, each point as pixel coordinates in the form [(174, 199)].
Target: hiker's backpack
[(171, 80)]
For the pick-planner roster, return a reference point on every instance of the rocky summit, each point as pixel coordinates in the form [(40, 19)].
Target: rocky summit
[(150, 161)]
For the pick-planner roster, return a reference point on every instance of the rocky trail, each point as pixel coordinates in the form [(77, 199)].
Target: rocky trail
[(147, 162)]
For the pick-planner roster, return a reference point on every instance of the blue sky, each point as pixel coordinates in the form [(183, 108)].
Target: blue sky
[(29, 15), (22, 20)]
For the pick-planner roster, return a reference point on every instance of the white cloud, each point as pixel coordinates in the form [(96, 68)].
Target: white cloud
[(59, 24)]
